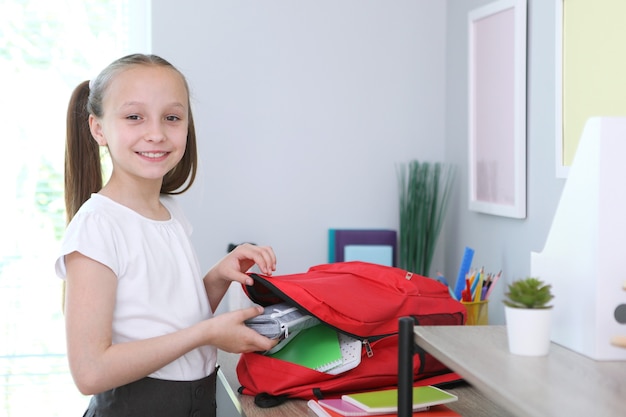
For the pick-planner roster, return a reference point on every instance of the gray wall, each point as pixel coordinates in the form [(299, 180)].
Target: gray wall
[(305, 108), (500, 242)]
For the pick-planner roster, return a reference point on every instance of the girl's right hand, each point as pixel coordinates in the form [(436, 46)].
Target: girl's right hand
[(229, 332)]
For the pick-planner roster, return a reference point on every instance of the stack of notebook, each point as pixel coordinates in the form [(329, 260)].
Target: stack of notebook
[(427, 401)]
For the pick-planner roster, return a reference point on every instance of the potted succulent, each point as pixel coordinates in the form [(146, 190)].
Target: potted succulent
[(528, 316)]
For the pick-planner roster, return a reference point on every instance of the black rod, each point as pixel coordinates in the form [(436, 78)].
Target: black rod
[(405, 366)]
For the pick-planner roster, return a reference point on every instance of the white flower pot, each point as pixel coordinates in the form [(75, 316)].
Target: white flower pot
[(528, 330)]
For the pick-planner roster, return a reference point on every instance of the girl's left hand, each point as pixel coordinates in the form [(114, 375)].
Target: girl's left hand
[(233, 267)]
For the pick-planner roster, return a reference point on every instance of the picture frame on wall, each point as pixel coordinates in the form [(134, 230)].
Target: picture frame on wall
[(497, 108)]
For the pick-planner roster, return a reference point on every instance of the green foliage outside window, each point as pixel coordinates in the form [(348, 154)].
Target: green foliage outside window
[(46, 49)]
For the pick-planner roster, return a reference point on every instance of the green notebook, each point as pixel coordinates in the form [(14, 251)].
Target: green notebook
[(316, 347), (387, 400)]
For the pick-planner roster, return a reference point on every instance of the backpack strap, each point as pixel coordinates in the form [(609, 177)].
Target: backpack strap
[(265, 400), (318, 393)]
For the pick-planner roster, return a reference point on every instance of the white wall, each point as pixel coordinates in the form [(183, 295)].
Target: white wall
[(303, 110), (500, 242)]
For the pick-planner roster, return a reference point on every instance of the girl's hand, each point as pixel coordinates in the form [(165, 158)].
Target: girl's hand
[(233, 267), (229, 332)]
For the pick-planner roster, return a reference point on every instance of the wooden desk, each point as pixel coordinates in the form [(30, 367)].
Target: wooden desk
[(564, 383), (243, 405), (291, 408), (471, 403)]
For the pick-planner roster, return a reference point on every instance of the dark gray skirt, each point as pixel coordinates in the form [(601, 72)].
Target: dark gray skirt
[(151, 397)]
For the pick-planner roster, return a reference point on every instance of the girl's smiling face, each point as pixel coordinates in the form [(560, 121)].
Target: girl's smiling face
[(145, 123)]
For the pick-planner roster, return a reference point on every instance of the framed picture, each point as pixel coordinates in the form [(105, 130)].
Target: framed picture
[(497, 108)]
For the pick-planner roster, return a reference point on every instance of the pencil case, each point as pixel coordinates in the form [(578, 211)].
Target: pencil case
[(281, 321)]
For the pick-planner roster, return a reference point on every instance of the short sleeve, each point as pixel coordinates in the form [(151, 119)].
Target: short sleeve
[(94, 235)]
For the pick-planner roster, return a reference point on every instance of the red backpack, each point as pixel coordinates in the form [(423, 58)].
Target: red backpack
[(361, 300)]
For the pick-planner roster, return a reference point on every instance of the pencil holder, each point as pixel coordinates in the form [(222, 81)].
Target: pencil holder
[(477, 312)]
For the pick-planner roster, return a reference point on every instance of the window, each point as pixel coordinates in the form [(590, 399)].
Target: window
[(46, 49)]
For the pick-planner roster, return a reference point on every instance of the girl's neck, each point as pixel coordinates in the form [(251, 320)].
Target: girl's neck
[(145, 201)]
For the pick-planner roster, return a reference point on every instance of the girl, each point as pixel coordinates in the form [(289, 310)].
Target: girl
[(141, 336)]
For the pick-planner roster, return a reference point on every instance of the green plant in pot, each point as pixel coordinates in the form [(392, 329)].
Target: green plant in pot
[(528, 316), (425, 189), (529, 293)]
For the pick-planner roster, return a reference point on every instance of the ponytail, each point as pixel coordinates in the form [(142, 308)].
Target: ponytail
[(83, 171)]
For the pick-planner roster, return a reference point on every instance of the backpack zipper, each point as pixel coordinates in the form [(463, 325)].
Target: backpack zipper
[(368, 348)]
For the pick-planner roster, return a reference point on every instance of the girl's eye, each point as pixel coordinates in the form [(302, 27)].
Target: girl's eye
[(172, 118), (132, 117)]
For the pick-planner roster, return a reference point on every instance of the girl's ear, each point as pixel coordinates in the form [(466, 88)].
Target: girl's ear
[(96, 130)]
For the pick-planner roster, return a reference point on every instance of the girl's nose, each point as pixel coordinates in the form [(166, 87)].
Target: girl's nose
[(155, 132)]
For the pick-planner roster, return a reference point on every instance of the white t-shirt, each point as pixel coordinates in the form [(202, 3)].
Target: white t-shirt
[(160, 288)]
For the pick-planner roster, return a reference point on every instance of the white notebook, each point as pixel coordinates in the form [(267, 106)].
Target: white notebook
[(350, 354)]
